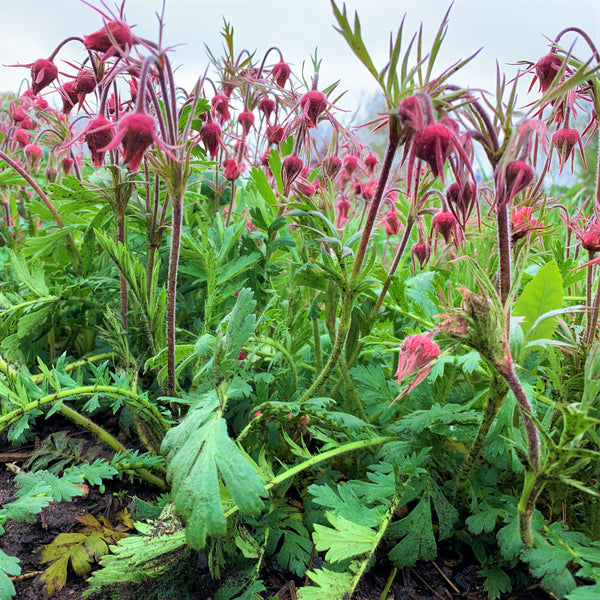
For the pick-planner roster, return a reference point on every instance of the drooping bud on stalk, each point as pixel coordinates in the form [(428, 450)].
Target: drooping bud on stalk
[(246, 120), (462, 199), (40, 103), (591, 238), (113, 36), (27, 123), (210, 135), (564, 141), (220, 106), (34, 156), (22, 137), (313, 103), (85, 82), (342, 208), (305, 187), (267, 107), (412, 118), (331, 167), (392, 224), (350, 164), (419, 251), (231, 169), (522, 222), (518, 175), (546, 69), (43, 73), (136, 131), (370, 164), (69, 96), (98, 135), (433, 145), (67, 165), (444, 222), (291, 167), (275, 134), (281, 73), (18, 114)]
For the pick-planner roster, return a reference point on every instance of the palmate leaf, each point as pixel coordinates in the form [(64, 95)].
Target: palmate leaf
[(199, 454), (346, 540), (330, 585), (9, 565)]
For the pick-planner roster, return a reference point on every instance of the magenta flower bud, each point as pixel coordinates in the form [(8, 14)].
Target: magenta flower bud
[(40, 103), (136, 132), (281, 73), (43, 73), (267, 107), (410, 111), (546, 69), (22, 137), (34, 156), (291, 167), (231, 169), (51, 174), (85, 82), (305, 187), (27, 123), (391, 222), (444, 222), (461, 199), (99, 133), (18, 114), (591, 238), (69, 96), (419, 251), (521, 222), (220, 106), (331, 166), (518, 176), (564, 140), (275, 134), (246, 120), (433, 145), (313, 104), (342, 208), (350, 164), (210, 135), (370, 163), (113, 33), (416, 353)]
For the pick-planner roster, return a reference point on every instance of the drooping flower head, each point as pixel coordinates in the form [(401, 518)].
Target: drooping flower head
[(43, 73), (210, 135), (231, 169), (99, 133), (433, 144), (281, 73), (34, 156), (391, 222), (114, 37), (564, 140), (291, 167), (313, 103), (546, 70), (267, 107)]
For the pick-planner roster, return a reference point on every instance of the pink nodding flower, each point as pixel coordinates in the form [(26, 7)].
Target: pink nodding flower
[(40, 103), (34, 156), (22, 137), (370, 163), (113, 36), (220, 106), (342, 208), (331, 166), (69, 96), (291, 167), (412, 117), (462, 200), (444, 222), (546, 70), (267, 107), (231, 169), (522, 222), (274, 134), (99, 133), (281, 73), (18, 114), (313, 104), (136, 131), (85, 82), (517, 175), (43, 73), (421, 252), (350, 164), (433, 145), (416, 353), (27, 123), (590, 240), (246, 120), (391, 222), (67, 165), (210, 135), (564, 141)]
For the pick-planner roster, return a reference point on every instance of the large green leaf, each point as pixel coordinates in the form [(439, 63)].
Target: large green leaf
[(200, 454), (542, 294)]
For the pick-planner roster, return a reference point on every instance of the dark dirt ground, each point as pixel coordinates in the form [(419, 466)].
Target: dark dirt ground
[(450, 577)]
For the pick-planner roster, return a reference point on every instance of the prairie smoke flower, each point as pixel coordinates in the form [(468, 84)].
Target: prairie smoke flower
[(564, 141), (522, 222), (433, 145), (69, 96), (349, 164), (416, 353), (67, 165), (291, 167), (281, 73), (419, 251), (232, 169), (342, 209), (305, 187), (370, 163), (267, 107), (313, 103), (590, 240), (34, 156), (98, 135), (18, 114), (43, 73), (331, 166), (22, 137), (136, 131), (412, 118), (445, 222), (85, 82), (112, 38), (274, 134), (210, 135), (546, 70), (461, 200), (391, 222), (517, 176), (220, 106), (40, 103), (246, 120), (27, 123)]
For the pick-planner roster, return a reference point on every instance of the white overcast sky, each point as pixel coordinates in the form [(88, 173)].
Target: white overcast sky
[(508, 30)]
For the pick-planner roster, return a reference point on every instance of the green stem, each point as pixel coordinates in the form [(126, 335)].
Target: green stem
[(286, 354), (317, 339), (38, 378), (532, 488), (496, 395), (352, 403)]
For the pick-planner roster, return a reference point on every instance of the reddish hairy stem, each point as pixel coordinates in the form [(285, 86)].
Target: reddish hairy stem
[(503, 250), (393, 141)]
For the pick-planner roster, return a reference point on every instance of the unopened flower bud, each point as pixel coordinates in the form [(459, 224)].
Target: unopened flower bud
[(281, 73)]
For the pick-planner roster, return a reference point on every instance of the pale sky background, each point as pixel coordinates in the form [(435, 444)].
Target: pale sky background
[(509, 30)]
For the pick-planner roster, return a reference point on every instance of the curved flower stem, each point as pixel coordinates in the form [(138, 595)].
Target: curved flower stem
[(393, 141), (410, 221), (38, 378)]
